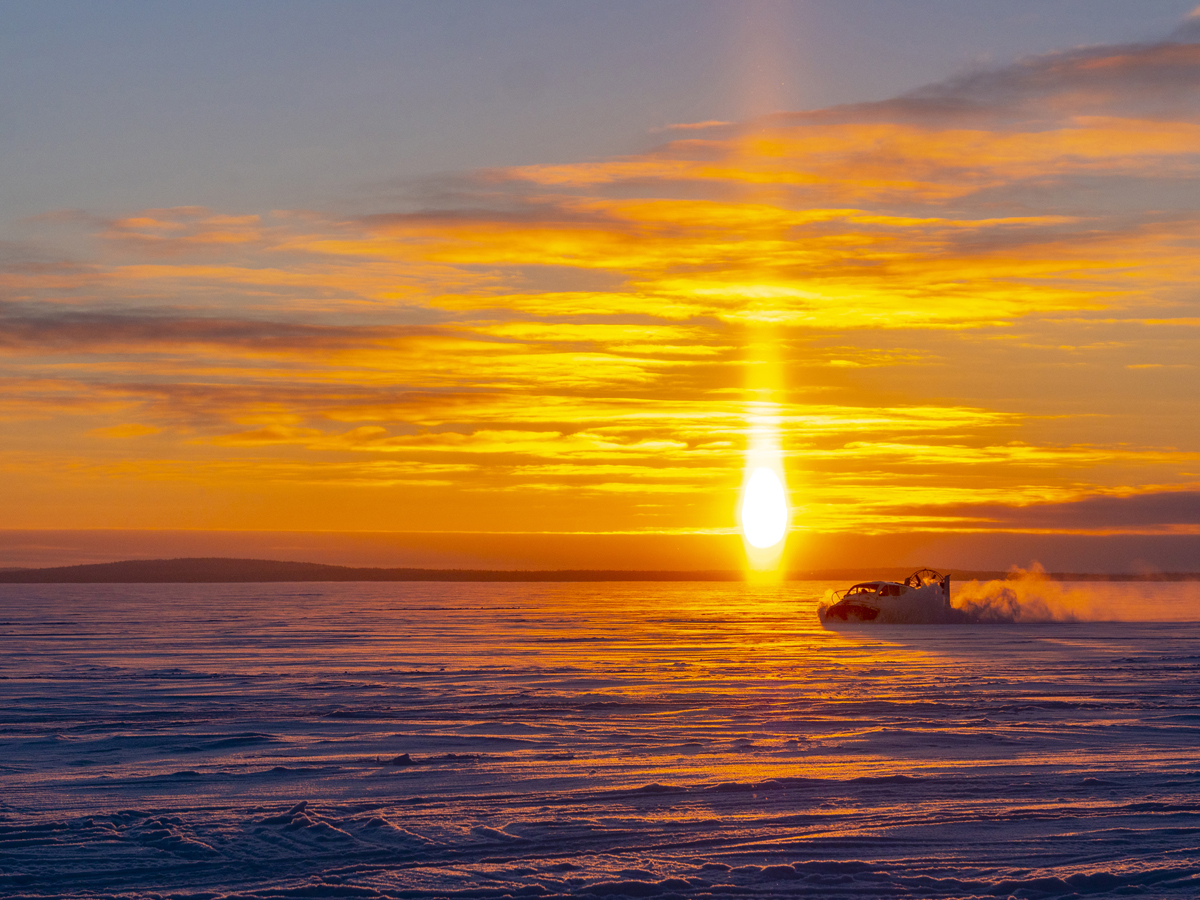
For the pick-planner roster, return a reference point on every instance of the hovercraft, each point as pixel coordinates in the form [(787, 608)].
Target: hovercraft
[(924, 596)]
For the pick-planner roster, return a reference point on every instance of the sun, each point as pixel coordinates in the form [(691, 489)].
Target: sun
[(764, 511)]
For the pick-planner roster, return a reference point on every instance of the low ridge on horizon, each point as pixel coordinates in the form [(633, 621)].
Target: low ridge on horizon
[(233, 570)]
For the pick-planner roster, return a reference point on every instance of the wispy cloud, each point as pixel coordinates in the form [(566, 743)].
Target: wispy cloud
[(953, 289)]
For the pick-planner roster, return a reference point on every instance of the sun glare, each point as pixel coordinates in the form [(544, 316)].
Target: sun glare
[(764, 509)]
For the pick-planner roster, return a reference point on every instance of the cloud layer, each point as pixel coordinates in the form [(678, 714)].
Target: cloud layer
[(973, 306)]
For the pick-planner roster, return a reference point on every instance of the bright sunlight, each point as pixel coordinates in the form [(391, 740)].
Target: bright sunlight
[(764, 509)]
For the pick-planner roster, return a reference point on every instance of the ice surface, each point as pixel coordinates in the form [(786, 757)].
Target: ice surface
[(593, 740)]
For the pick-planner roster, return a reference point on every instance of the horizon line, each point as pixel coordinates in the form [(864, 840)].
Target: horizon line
[(235, 570)]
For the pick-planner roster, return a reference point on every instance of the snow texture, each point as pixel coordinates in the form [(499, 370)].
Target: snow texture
[(414, 740)]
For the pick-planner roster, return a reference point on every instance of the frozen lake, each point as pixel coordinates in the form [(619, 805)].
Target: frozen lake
[(627, 739)]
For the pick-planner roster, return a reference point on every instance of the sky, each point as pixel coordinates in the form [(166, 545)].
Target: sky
[(570, 269)]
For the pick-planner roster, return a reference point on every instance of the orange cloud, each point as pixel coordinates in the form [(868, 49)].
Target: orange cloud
[(947, 297)]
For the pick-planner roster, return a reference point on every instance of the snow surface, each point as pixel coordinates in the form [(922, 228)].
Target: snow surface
[(593, 740)]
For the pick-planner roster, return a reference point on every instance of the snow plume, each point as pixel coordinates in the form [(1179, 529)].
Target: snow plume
[(1026, 596)]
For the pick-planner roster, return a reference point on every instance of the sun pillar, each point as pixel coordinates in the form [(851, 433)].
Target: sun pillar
[(764, 512)]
